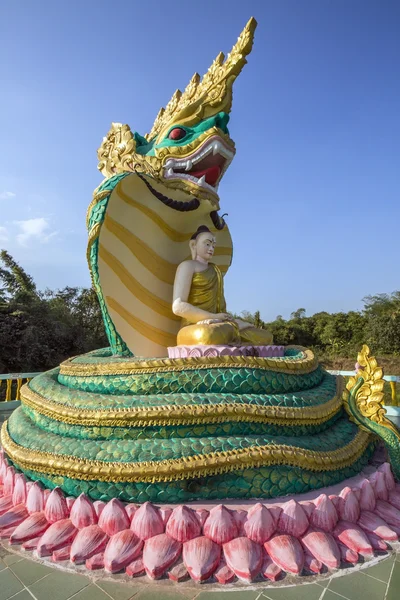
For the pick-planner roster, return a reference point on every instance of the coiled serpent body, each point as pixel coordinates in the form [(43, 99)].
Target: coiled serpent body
[(169, 430)]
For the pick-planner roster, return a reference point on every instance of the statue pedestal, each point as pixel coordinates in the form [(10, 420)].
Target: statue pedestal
[(211, 351)]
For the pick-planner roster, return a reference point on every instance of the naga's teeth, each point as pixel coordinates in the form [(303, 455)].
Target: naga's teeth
[(189, 165), (202, 180), (169, 163), (215, 148), (170, 172)]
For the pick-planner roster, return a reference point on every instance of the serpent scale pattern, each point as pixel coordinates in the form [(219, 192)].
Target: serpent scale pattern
[(208, 388)]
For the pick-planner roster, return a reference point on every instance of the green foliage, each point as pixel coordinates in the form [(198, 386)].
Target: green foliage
[(38, 330), (341, 334)]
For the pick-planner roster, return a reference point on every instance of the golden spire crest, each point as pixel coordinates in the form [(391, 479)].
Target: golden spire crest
[(204, 98)]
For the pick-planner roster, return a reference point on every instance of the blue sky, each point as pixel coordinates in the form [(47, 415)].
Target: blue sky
[(313, 192)]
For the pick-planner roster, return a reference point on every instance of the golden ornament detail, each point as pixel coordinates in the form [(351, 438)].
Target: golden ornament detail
[(213, 91), (369, 397)]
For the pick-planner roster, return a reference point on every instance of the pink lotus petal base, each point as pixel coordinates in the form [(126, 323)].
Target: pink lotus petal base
[(252, 541)]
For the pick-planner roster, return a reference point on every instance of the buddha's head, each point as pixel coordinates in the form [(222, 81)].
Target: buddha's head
[(202, 244)]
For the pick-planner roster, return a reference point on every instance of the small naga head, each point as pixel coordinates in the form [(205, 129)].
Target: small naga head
[(188, 147)]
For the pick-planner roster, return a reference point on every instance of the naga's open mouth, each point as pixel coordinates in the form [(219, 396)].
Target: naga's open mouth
[(205, 167)]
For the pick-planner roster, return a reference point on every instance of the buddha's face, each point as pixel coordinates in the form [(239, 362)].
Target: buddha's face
[(205, 245)]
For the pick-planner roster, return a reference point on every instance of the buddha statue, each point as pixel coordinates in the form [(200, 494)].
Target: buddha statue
[(199, 300)]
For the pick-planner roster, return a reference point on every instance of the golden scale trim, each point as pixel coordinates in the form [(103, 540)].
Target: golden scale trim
[(185, 414), (187, 467)]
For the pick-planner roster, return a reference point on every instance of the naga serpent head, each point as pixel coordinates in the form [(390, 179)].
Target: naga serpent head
[(189, 147)]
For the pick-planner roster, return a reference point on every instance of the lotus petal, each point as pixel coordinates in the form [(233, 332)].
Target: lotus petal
[(130, 510), (260, 525), (121, 550), (293, 520), (31, 544), (337, 502), (178, 573), (202, 515), (347, 554), (159, 554), (270, 570), (5, 504), (324, 516), (322, 545), (19, 493), (388, 513), (240, 517), (6, 532), (57, 536), (13, 517), (89, 541), (352, 536), (56, 508), (224, 574), (308, 507), (275, 511), (35, 499), (183, 525), (165, 514), (33, 526), (389, 479), (378, 482), (95, 562), (286, 552), (61, 554), (147, 522), (374, 524), (201, 557), (312, 564), (83, 513), (367, 496), (3, 471), (394, 498), (244, 557), (220, 526), (113, 517), (376, 542), (136, 568), (349, 508), (8, 484), (98, 507), (70, 502)]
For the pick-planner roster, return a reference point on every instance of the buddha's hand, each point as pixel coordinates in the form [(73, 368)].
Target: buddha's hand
[(223, 317), (218, 318)]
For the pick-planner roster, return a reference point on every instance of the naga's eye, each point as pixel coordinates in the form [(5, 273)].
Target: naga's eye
[(177, 133)]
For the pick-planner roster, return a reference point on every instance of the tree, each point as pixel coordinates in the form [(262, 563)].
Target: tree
[(257, 320), (15, 282), (300, 313), (38, 330)]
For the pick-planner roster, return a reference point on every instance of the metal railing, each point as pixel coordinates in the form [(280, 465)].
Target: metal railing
[(19, 378), (13, 382)]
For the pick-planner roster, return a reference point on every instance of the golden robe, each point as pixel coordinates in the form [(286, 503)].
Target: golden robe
[(207, 293)]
